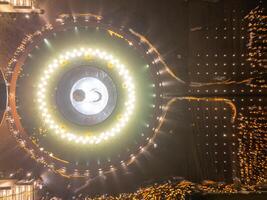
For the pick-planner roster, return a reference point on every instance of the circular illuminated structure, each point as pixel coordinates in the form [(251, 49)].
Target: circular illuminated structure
[(89, 96), (82, 96), (85, 96)]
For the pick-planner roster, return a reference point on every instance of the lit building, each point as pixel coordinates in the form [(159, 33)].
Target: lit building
[(18, 6), (12, 189)]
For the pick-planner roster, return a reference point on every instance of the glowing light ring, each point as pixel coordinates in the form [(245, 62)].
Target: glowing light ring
[(41, 155), (94, 53)]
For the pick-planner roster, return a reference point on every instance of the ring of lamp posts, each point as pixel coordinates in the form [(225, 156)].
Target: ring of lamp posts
[(128, 85), (45, 156)]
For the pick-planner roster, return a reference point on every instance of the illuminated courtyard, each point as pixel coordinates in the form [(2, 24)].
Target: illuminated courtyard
[(133, 99)]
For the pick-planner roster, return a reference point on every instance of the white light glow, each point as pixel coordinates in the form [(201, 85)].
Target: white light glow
[(42, 94)]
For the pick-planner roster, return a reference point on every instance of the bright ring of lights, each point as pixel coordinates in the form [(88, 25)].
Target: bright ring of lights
[(42, 93)]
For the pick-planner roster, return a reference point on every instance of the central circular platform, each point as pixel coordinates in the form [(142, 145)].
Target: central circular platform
[(89, 96), (86, 95)]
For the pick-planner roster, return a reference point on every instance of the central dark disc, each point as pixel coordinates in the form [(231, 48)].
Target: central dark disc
[(86, 95), (79, 95)]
